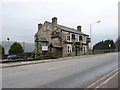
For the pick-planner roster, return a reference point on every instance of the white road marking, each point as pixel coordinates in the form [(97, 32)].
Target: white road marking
[(106, 80), (102, 78), (61, 66)]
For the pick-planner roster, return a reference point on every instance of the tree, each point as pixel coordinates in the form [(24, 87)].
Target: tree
[(104, 45), (2, 50), (16, 48)]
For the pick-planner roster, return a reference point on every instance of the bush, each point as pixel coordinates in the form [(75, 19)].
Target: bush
[(49, 56), (32, 56), (40, 57)]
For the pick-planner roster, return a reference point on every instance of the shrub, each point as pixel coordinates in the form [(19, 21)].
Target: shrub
[(32, 56), (40, 57), (49, 56)]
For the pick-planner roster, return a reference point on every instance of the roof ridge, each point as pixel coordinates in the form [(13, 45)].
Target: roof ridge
[(62, 25)]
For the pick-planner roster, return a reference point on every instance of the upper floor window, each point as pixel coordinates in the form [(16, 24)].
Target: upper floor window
[(73, 36), (80, 38), (68, 37), (55, 34), (84, 39), (77, 37)]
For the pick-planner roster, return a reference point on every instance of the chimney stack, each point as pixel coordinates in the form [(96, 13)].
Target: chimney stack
[(39, 26), (79, 28), (54, 22)]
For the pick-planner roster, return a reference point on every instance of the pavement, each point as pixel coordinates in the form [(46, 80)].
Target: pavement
[(111, 82), (108, 81), (69, 73)]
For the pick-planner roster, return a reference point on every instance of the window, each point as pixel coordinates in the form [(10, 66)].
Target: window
[(44, 44), (77, 37), (80, 38), (69, 49), (68, 36), (84, 39), (55, 35), (73, 36)]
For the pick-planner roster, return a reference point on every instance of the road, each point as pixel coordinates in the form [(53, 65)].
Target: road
[(71, 73)]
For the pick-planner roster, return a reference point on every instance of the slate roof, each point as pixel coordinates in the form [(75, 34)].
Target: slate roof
[(64, 28), (68, 29), (41, 39), (55, 45)]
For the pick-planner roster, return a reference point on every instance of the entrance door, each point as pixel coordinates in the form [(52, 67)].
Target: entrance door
[(76, 50)]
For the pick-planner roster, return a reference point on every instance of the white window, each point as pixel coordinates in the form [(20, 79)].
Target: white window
[(69, 48), (84, 39), (77, 37)]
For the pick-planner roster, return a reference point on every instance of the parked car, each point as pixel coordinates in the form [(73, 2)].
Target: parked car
[(10, 57)]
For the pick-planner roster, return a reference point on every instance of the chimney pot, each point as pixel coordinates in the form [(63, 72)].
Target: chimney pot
[(39, 26), (79, 28), (54, 21)]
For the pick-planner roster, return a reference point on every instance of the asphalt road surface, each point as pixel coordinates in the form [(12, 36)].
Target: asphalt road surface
[(71, 73)]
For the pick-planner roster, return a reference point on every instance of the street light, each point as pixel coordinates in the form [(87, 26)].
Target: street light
[(8, 45), (91, 33)]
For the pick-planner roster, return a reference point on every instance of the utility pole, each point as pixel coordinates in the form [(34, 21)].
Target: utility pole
[(24, 46)]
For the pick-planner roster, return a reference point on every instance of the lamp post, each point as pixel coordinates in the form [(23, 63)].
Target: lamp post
[(91, 33), (24, 46), (8, 45)]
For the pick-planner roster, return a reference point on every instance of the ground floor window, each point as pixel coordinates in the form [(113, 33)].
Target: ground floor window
[(69, 48), (44, 44)]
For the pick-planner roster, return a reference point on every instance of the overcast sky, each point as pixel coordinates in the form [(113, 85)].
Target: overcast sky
[(20, 17)]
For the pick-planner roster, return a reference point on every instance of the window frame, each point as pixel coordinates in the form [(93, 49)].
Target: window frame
[(73, 36), (68, 36), (69, 48)]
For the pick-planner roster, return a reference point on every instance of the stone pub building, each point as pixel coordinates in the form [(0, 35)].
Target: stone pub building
[(60, 40)]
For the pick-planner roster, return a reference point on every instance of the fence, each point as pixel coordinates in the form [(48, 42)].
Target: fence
[(99, 52)]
